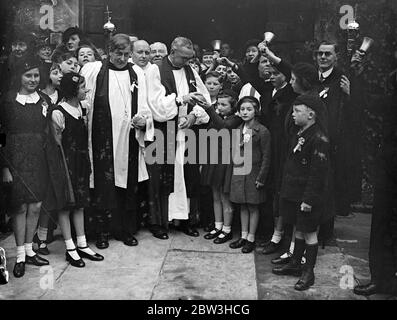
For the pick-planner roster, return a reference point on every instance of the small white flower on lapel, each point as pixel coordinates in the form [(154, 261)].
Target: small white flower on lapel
[(44, 108), (133, 86), (246, 139), (299, 145), (324, 93)]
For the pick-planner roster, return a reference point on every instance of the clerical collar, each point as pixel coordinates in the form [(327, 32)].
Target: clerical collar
[(325, 75), (27, 98), (171, 65), (113, 67)]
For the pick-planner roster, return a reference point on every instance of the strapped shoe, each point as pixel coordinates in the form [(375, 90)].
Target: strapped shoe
[(75, 263), (212, 234), (95, 257), (226, 237), (42, 246)]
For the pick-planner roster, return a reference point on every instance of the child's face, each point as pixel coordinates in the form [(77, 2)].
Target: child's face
[(232, 76), (69, 65), (276, 78), (247, 111), (86, 55), (301, 115), (224, 106), (56, 77), (213, 86), (221, 69), (251, 53), (82, 91), (45, 53), (208, 59), (30, 80)]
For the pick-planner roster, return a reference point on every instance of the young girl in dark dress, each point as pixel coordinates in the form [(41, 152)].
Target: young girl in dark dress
[(23, 159), (70, 134), (218, 175), (248, 179)]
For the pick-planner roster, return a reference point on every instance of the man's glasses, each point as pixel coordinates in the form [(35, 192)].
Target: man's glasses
[(326, 53)]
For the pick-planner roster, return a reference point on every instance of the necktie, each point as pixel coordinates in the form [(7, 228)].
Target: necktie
[(322, 78)]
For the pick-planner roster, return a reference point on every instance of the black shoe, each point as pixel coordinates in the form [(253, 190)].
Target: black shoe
[(75, 263), (42, 246), (280, 260), (160, 235), (19, 269), (209, 227), (226, 237), (95, 257), (130, 241), (292, 268), (190, 231), (248, 247), (102, 241), (306, 281), (366, 289), (238, 243), (270, 248), (36, 260), (212, 235)]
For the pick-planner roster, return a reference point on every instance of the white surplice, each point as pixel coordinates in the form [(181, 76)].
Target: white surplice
[(164, 108), (119, 97)]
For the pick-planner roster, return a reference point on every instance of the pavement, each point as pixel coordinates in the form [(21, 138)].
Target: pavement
[(189, 268)]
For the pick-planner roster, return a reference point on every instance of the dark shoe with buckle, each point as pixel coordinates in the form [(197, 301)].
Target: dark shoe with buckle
[(306, 281), (36, 260), (212, 234), (42, 246), (75, 263), (270, 248), (95, 257), (248, 247), (102, 241), (226, 237), (19, 269), (280, 260), (292, 268), (366, 289), (238, 243)]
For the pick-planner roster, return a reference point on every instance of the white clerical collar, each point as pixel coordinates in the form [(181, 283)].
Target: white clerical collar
[(325, 74), (73, 111), (27, 98), (275, 90)]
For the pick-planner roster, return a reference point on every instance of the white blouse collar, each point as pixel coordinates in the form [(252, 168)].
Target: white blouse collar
[(27, 98), (73, 111)]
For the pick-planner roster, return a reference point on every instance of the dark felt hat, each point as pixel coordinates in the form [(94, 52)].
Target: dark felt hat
[(307, 73)]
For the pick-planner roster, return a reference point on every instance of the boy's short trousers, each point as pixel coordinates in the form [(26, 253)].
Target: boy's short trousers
[(303, 221)]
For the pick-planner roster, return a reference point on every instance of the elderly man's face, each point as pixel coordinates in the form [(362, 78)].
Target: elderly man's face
[(119, 57), (264, 67), (157, 52), (141, 53), (19, 48), (181, 56)]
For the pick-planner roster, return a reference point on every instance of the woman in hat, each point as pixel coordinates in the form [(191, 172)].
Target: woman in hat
[(23, 159)]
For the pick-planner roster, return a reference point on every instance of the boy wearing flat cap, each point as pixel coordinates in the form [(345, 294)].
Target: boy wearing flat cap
[(303, 187)]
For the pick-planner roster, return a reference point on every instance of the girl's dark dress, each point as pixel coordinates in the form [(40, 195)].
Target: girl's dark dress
[(24, 153), (75, 146)]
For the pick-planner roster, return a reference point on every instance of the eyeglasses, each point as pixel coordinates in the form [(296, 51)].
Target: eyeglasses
[(326, 53)]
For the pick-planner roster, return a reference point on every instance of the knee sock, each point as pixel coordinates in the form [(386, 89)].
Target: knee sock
[(29, 249), (70, 246), (82, 245), (251, 237), (20, 254), (277, 235), (244, 235), (42, 233)]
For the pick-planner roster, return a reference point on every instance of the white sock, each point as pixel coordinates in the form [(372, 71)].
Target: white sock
[(251, 237), (20, 254), (42, 233), (81, 241), (284, 255), (227, 229), (29, 249), (277, 235), (244, 235), (218, 225), (70, 246), (292, 246)]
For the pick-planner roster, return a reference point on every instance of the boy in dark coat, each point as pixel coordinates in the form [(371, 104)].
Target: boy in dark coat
[(303, 187)]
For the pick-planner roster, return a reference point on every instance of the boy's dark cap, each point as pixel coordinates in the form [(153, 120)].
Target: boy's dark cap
[(312, 101), (228, 92)]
